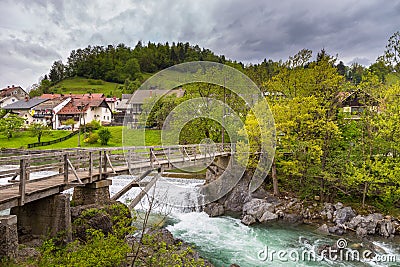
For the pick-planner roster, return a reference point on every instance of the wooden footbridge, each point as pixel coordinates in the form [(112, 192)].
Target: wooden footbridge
[(27, 176)]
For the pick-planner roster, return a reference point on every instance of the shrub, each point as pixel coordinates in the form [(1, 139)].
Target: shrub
[(93, 125), (105, 136), (92, 139)]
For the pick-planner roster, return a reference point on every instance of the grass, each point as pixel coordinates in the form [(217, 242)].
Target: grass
[(153, 137), (22, 139), (79, 85)]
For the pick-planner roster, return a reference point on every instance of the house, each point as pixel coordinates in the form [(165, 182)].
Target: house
[(84, 109), (7, 101), (355, 102), (46, 112), (16, 91), (11, 94), (113, 102), (24, 108), (131, 105)]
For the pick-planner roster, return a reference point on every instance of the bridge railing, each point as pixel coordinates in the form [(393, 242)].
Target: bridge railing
[(20, 170)]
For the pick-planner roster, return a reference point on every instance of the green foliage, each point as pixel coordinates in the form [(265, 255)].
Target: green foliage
[(38, 130), (93, 125), (92, 139), (104, 135), (98, 250), (3, 112), (11, 123), (42, 88), (119, 63), (161, 109), (154, 251)]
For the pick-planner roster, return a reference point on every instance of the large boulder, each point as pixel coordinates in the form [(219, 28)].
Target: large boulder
[(386, 228), (370, 223), (354, 222), (257, 207), (214, 209), (344, 215), (248, 220), (323, 229), (268, 217)]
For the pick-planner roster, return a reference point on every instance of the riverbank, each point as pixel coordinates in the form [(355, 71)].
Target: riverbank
[(105, 235)]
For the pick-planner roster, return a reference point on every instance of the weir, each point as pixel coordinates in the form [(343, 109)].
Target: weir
[(36, 183)]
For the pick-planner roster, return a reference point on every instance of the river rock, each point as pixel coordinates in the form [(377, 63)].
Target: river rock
[(338, 206), (344, 215), (336, 230), (370, 222), (293, 218), (323, 229), (354, 222), (214, 209), (268, 217), (257, 207), (248, 220), (386, 228), (361, 232)]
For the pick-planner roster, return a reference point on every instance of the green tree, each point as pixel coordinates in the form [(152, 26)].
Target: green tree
[(392, 52), (104, 135), (57, 72), (11, 123), (38, 130)]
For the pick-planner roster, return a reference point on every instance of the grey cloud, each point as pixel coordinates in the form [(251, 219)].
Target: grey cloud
[(249, 31)]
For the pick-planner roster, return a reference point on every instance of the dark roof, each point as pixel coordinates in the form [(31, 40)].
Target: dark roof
[(25, 104), (50, 104)]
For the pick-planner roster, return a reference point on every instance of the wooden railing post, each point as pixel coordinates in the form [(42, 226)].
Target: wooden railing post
[(151, 157), (105, 161), (90, 166), (66, 168), (129, 160), (27, 173), (100, 165), (22, 181), (169, 157)]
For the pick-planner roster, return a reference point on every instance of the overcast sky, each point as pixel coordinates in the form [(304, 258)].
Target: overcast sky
[(35, 33)]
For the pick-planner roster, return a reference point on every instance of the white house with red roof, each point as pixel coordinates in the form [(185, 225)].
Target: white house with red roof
[(86, 108)]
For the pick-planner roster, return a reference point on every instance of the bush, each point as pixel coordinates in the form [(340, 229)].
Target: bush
[(92, 139), (93, 125), (105, 136)]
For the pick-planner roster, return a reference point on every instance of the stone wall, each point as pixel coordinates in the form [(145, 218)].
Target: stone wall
[(94, 193), (8, 236), (45, 217)]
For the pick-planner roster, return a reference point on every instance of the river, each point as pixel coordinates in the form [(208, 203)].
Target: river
[(225, 240)]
